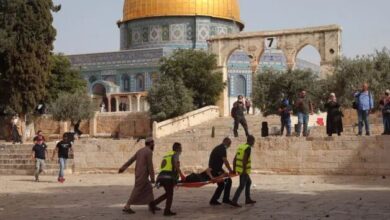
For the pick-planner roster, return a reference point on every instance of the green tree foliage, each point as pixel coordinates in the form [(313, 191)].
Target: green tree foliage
[(72, 107), (63, 78), (271, 87), (26, 39), (168, 99), (196, 69), (350, 74)]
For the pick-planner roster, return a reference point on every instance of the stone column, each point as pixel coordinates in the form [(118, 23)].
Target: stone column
[(138, 103), (130, 104), (326, 69), (145, 104), (92, 125), (223, 102), (117, 100), (109, 103)]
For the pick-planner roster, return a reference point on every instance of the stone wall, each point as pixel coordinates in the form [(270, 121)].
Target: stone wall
[(124, 124), (312, 156)]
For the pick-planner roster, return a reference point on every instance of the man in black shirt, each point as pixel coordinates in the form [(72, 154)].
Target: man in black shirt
[(39, 153), (63, 147), (218, 158), (238, 115)]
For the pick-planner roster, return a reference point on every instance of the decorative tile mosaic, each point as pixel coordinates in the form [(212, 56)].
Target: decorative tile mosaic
[(155, 33), (177, 32), (165, 32), (145, 34)]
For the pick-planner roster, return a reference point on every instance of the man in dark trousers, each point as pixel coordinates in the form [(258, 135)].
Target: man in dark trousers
[(238, 115), (168, 177), (218, 158), (242, 165)]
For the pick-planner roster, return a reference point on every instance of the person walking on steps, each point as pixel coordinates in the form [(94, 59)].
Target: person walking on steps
[(238, 115), (142, 193), (242, 165), (168, 177), (39, 154), (218, 158), (62, 150)]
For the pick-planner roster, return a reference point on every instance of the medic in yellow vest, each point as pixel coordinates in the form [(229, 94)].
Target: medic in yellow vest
[(168, 177), (242, 165)]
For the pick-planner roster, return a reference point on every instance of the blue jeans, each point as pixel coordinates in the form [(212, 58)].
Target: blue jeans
[(245, 182), (363, 116), (303, 119), (62, 162), (286, 123)]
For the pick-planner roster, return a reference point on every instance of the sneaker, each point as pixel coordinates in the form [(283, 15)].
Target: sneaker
[(228, 202), (215, 203), (235, 204), (169, 213), (250, 201)]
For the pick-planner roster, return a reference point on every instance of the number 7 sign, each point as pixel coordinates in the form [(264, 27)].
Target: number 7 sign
[(271, 43)]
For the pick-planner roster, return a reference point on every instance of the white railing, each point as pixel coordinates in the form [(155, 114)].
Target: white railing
[(186, 121)]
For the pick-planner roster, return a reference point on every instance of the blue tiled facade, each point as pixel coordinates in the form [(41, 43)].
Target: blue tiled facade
[(144, 42)]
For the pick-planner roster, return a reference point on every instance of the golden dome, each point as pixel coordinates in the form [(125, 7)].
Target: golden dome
[(225, 9)]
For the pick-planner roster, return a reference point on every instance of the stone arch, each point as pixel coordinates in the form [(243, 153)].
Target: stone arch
[(308, 63), (327, 39), (239, 74), (304, 45), (99, 95), (99, 89)]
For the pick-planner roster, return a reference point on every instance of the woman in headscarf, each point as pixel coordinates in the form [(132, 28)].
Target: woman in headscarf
[(334, 122)]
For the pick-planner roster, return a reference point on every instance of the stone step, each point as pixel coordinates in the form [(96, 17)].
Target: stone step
[(28, 166), (30, 162), (48, 172)]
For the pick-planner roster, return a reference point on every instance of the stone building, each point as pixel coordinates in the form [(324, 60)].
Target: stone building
[(151, 29)]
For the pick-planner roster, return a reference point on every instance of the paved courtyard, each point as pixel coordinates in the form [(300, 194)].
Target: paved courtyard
[(279, 197)]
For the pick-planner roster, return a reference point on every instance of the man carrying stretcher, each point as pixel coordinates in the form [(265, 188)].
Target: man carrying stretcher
[(218, 158)]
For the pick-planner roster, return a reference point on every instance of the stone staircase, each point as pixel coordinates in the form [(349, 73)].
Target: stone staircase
[(16, 160), (223, 127)]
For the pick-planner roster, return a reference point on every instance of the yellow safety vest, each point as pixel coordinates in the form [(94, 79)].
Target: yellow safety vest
[(240, 157), (166, 164)]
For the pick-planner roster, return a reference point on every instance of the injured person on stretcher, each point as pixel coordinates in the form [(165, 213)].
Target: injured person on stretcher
[(204, 176)]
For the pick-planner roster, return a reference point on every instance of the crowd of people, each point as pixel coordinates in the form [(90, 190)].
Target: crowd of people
[(170, 173)]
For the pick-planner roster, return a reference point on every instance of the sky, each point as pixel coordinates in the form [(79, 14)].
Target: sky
[(89, 26)]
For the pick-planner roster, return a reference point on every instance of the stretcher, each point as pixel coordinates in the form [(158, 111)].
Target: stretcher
[(204, 183)]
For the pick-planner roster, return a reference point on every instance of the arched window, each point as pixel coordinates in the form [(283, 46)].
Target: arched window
[(140, 82), (240, 85), (126, 83)]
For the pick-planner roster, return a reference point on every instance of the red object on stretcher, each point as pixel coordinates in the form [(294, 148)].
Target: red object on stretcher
[(201, 184)]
